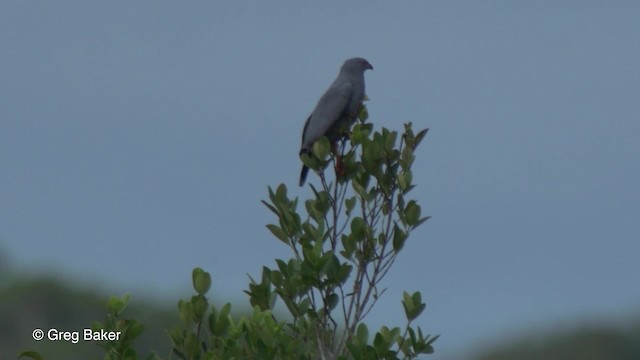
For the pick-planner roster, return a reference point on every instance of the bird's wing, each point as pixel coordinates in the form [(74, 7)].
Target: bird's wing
[(306, 126), (329, 109)]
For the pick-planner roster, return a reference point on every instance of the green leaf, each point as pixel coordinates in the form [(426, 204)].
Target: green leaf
[(200, 305), (360, 190), (271, 207), (343, 274), (419, 305), (350, 204), (281, 195), (404, 180), (407, 303), (358, 228), (321, 148), (226, 310), (31, 354), (349, 245), (412, 213), (186, 310), (362, 334), (413, 305), (282, 266), (310, 161), (219, 322), (390, 141), (399, 238), (276, 278), (323, 202), (390, 336), (372, 155), (116, 305), (360, 133), (422, 221), (192, 345), (332, 301), (363, 115), (407, 128), (412, 335), (407, 158), (135, 329), (278, 233), (356, 350), (419, 137), (201, 280), (310, 257)]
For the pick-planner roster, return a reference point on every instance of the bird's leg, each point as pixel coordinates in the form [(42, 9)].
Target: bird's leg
[(339, 168)]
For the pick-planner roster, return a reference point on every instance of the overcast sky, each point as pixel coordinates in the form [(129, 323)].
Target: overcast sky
[(137, 138)]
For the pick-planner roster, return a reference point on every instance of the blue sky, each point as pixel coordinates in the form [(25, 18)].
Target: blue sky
[(136, 140)]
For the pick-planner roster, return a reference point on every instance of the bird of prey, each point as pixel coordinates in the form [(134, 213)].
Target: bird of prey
[(337, 109)]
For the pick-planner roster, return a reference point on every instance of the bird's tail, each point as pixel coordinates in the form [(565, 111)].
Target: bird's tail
[(305, 169), (303, 174)]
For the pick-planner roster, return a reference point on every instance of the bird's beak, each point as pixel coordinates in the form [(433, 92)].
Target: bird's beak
[(369, 66)]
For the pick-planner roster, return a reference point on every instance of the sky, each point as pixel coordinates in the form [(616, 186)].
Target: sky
[(138, 138)]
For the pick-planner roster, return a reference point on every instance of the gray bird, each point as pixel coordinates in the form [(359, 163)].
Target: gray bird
[(337, 109)]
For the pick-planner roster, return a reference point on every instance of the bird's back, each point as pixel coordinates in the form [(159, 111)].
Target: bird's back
[(336, 109)]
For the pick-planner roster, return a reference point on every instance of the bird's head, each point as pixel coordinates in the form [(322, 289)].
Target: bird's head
[(356, 65)]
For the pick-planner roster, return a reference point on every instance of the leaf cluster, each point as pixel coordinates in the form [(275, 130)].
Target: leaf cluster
[(343, 241), (352, 230)]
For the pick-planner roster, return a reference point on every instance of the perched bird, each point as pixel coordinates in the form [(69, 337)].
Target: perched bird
[(337, 109)]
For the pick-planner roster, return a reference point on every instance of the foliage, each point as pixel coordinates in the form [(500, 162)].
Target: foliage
[(353, 228), (591, 341), (346, 245), (29, 302), (129, 329)]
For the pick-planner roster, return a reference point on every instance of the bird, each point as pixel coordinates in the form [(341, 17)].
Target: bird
[(337, 109)]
